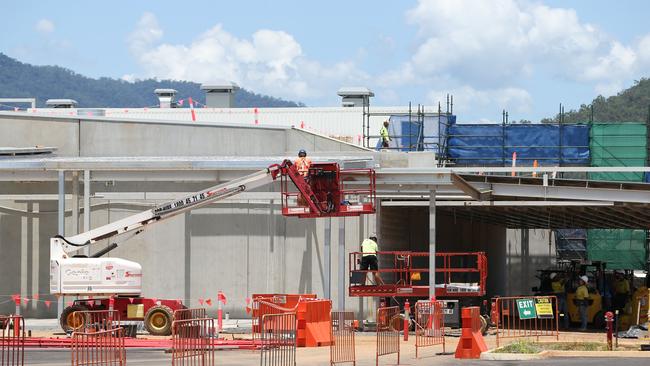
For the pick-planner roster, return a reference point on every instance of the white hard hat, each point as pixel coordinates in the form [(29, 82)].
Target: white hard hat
[(585, 279), (552, 275)]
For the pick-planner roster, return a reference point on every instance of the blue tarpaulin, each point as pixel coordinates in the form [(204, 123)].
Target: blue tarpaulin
[(418, 133), (491, 144)]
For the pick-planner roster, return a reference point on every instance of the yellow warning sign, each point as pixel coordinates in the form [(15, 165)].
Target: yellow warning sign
[(544, 307)]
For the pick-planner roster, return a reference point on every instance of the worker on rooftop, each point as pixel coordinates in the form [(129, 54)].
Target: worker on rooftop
[(582, 300), (303, 163), (385, 138), (369, 249)]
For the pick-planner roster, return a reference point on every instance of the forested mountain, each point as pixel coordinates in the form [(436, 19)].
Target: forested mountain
[(21, 80), (629, 105)]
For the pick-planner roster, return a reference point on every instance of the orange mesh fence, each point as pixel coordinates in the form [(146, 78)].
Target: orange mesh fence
[(429, 325), (278, 340), (192, 342), (98, 348), (12, 340), (342, 348), (525, 317), (388, 324)]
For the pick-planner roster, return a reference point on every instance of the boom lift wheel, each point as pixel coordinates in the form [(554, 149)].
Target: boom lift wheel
[(68, 321), (158, 320)]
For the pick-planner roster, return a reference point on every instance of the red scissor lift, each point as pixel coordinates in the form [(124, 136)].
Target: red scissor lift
[(464, 275), (323, 193)]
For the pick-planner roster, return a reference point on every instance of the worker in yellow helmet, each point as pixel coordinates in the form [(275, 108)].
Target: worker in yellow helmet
[(369, 249), (582, 300), (557, 284)]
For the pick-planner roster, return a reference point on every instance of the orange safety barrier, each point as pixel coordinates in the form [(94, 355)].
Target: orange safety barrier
[(12, 340), (526, 316), (429, 325), (98, 348), (471, 342), (314, 323), (388, 325), (192, 341), (190, 313), (342, 348), (313, 318), (274, 304), (278, 343)]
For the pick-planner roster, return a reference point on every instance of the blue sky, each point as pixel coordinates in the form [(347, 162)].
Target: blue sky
[(525, 56)]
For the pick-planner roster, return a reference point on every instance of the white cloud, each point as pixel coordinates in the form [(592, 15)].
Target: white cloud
[(270, 61), (45, 26), (468, 99), (489, 45)]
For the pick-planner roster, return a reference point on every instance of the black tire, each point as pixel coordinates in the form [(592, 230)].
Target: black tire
[(599, 321), (485, 324), (158, 320), (68, 321)]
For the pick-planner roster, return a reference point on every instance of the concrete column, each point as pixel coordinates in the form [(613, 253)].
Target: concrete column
[(61, 228), (327, 281), (87, 206), (75, 203), (342, 255), (432, 244)]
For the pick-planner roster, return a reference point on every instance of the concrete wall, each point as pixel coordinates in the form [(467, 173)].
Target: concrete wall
[(238, 247), (96, 137), (527, 252)]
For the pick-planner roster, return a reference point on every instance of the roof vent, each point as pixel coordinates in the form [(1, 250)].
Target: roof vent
[(220, 94), (61, 103), (166, 97), (356, 96)]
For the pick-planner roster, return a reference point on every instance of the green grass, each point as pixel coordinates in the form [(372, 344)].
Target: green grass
[(527, 347), (520, 346)]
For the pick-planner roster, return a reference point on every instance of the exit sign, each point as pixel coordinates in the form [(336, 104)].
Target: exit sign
[(526, 308)]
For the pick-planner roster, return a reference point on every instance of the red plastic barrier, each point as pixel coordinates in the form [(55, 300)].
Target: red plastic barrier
[(471, 342)]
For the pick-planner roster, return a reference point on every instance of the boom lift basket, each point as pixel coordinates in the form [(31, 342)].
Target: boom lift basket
[(323, 192)]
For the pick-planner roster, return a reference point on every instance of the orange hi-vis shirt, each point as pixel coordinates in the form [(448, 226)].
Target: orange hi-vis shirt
[(302, 165)]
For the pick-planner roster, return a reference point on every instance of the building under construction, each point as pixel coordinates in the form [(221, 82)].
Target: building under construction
[(509, 191)]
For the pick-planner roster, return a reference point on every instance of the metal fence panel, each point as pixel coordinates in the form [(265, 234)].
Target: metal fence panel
[(98, 348), (12, 340), (388, 324), (190, 313), (510, 324), (96, 320), (278, 340), (342, 349), (429, 325), (192, 341)]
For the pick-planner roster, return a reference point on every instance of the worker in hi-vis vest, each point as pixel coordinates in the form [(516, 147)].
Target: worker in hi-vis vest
[(369, 249), (303, 163), (383, 132)]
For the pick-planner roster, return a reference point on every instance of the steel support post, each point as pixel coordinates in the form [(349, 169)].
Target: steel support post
[(432, 244), (341, 265), (328, 258), (87, 206), (61, 229)]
